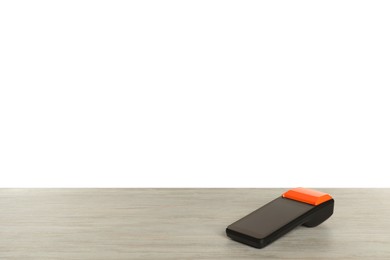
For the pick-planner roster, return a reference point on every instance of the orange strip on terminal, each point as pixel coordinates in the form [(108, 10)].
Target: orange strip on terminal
[(312, 197)]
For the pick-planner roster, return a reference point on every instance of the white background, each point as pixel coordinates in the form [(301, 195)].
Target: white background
[(194, 93)]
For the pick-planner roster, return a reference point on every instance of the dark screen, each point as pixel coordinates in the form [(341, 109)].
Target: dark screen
[(270, 217)]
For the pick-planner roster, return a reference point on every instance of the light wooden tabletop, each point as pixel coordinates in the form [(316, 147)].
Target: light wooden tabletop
[(180, 224)]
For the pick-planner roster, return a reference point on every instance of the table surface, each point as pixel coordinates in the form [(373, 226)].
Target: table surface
[(180, 224)]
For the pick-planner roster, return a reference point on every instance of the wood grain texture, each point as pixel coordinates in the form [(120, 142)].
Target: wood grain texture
[(180, 224)]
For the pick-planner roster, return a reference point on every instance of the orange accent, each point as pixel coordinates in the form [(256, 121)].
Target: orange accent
[(308, 196)]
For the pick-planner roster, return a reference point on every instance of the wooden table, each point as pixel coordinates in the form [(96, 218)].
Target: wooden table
[(180, 224)]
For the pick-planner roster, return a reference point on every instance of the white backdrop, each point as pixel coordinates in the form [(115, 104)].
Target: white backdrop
[(194, 93)]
